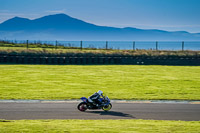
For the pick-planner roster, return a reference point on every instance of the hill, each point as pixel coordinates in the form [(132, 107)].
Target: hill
[(64, 27)]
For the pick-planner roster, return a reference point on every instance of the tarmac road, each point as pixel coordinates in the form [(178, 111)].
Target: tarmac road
[(156, 111)]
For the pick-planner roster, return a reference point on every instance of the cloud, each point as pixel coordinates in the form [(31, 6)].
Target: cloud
[(8, 13), (56, 11), (162, 26), (11, 14), (4, 11)]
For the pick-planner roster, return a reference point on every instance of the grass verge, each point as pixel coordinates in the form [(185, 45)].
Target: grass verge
[(140, 126), (93, 52), (117, 81)]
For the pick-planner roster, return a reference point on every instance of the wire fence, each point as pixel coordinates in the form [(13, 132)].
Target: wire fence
[(119, 45)]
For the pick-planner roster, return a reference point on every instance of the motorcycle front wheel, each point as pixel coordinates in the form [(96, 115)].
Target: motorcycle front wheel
[(82, 106), (107, 107)]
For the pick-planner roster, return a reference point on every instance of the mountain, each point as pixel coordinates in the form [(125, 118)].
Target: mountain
[(64, 27)]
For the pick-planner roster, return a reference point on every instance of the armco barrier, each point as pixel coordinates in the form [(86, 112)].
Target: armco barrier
[(129, 60)]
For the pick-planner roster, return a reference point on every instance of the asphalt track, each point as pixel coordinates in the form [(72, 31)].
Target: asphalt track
[(156, 111)]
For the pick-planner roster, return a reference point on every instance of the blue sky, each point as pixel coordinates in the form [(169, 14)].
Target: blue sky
[(171, 15)]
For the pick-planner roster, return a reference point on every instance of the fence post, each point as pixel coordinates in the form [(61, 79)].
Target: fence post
[(106, 45), (182, 45), (26, 44), (81, 45), (156, 45), (56, 44), (133, 45)]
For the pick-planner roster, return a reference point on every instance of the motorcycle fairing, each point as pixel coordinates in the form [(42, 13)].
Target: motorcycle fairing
[(84, 99)]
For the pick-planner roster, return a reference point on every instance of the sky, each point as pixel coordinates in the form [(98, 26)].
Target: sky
[(170, 15)]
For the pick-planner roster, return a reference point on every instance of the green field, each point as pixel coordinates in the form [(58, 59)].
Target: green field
[(104, 126), (117, 81)]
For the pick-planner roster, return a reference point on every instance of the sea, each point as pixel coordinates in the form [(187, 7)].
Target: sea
[(126, 45)]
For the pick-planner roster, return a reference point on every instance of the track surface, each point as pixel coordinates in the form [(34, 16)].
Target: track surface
[(156, 111)]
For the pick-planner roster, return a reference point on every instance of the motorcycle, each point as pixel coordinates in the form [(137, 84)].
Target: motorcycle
[(104, 104)]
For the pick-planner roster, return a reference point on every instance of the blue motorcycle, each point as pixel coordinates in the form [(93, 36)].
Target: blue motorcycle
[(104, 104)]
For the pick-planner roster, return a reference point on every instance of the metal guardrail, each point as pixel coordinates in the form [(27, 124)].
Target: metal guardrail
[(130, 60)]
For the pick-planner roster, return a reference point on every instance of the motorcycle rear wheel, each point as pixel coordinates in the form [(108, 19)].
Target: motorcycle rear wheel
[(82, 106), (108, 107)]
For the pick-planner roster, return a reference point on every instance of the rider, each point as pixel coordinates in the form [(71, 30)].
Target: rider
[(95, 97)]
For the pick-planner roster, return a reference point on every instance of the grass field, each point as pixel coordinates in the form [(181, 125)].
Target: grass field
[(104, 126), (117, 81)]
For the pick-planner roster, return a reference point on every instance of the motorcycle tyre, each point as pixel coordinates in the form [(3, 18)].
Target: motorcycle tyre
[(79, 105), (107, 109)]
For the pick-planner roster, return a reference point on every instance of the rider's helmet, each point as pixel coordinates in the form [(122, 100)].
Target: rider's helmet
[(100, 92)]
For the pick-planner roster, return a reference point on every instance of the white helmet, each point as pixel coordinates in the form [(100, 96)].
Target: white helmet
[(100, 92)]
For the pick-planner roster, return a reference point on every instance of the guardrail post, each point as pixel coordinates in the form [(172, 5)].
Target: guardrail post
[(26, 44), (156, 45), (106, 45), (56, 44), (133, 45), (182, 45), (81, 45)]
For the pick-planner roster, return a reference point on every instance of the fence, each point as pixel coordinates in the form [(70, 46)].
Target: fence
[(122, 45)]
